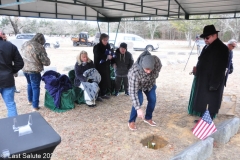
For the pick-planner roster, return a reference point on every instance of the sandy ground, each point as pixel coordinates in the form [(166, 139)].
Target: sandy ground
[(102, 132)]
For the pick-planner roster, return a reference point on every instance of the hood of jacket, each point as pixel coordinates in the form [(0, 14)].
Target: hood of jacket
[(140, 58), (39, 38)]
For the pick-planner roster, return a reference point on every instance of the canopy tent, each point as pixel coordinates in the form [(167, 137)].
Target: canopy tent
[(117, 10)]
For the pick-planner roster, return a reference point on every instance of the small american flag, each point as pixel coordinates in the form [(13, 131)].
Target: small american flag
[(205, 127)]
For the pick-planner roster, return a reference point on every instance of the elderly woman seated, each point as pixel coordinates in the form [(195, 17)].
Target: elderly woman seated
[(87, 77)]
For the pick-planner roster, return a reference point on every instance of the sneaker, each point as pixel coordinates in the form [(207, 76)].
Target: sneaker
[(105, 97), (126, 93), (99, 99), (93, 105), (150, 122), (132, 126), (29, 103), (36, 109), (116, 93)]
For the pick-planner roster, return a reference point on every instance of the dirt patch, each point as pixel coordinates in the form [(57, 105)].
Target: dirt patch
[(154, 142), (102, 132)]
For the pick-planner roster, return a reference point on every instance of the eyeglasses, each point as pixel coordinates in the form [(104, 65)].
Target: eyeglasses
[(233, 46), (206, 37)]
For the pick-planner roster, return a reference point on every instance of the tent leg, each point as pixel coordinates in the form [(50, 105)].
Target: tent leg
[(99, 28), (116, 34)]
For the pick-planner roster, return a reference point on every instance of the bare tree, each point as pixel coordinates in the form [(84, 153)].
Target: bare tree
[(153, 25), (16, 24), (231, 25)]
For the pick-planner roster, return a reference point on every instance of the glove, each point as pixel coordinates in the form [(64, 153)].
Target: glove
[(90, 80), (230, 71), (212, 88)]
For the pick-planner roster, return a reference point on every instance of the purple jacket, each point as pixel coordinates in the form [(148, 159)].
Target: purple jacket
[(55, 84)]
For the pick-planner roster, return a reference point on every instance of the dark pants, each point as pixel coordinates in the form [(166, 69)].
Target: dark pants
[(118, 82), (105, 83)]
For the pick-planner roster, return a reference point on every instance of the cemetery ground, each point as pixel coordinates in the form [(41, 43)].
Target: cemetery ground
[(102, 132)]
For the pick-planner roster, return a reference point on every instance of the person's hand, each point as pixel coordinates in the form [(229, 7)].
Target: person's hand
[(140, 113), (109, 57), (90, 80), (230, 71), (114, 66)]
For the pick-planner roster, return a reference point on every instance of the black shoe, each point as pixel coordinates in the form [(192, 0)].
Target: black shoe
[(93, 105), (116, 93), (195, 121), (99, 99), (17, 91), (105, 97), (126, 93)]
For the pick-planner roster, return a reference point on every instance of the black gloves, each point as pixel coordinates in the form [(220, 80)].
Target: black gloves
[(230, 71), (90, 80)]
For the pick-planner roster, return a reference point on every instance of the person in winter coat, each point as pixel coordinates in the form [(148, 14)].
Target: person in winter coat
[(208, 83), (83, 63), (102, 64), (34, 57), (142, 78), (231, 45), (10, 63), (4, 37), (121, 64)]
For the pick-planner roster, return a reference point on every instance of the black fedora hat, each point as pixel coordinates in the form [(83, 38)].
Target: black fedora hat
[(208, 30)]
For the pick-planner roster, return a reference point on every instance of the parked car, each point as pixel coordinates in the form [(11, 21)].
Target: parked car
[(21, 38), (138, 43)]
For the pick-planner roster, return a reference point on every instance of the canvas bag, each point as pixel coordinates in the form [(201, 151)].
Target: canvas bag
[(228, 105)]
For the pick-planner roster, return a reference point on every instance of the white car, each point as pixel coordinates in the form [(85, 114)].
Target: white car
[(137, 42), (21, 38)]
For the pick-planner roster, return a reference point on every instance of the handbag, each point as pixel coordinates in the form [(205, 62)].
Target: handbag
[(228, 105)]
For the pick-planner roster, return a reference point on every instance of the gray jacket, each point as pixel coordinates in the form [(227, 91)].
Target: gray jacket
[(123, 62)]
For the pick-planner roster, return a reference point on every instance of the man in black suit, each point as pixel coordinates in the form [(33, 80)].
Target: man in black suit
[(209, 80)]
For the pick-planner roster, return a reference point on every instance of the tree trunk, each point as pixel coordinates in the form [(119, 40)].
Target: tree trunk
[(14, 25)]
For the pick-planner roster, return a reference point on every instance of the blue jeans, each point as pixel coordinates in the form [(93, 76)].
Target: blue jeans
[(33, 88), (151, 97), (8, 97)]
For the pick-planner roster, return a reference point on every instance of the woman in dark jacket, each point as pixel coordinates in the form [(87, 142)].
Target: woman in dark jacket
[(102, 64), (83, 63)]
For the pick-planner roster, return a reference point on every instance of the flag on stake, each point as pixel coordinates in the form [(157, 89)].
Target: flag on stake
[(205, 127)]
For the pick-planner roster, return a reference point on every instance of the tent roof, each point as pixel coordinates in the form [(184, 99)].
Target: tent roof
[(114, 10)]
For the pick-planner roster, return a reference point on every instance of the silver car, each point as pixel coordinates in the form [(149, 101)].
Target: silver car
[(21, 38)]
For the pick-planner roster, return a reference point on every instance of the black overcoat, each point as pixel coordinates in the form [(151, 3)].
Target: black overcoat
[(210, 73), (104, 67)]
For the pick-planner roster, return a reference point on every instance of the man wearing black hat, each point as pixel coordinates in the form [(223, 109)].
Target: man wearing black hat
[(142, 79), (122, 63), (209, 79)]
